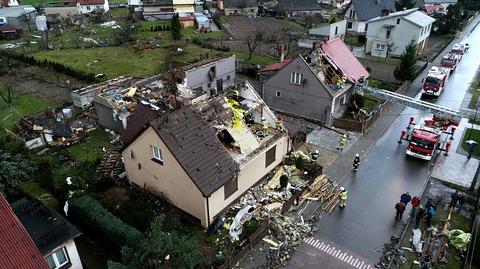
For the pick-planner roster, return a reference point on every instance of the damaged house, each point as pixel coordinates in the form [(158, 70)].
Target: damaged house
[(203, 156), (318, 85), (115, 100)]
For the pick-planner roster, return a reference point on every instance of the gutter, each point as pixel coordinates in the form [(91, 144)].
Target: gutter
[(208, 212)]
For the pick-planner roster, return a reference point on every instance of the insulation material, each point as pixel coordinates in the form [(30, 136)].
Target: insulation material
[(459, 239), (35, 143), (244, 138)]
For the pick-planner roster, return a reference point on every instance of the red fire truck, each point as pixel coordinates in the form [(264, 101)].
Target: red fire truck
[(450, 60), (427, 136), (458, 49), (435, 81)]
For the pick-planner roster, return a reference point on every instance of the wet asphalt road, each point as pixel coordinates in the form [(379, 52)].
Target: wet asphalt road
[(385, 173)]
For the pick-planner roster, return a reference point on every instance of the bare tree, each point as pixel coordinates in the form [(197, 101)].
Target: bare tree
[(254, 39), (283, 36), (390, 47)]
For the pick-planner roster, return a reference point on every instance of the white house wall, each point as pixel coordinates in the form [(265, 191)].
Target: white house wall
[(402, 34)]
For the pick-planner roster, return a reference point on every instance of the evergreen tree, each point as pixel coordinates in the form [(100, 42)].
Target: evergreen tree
[(176, 34), (407, 4), (407, 68)]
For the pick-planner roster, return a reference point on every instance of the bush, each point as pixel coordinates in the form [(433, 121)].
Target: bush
[(89, 212), (300, 164), (103, 184), (35, 191)]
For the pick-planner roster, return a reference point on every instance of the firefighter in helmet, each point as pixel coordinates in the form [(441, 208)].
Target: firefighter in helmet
[(343, 141)]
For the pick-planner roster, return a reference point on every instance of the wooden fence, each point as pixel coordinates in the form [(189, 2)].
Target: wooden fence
[(362, 126)]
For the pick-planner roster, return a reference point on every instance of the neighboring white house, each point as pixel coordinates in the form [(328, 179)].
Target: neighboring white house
[(395, 31), (87, 6), (360, 11), (331, 31)]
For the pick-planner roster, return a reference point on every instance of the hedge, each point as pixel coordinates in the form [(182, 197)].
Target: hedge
[(58, 67), (92, 214)]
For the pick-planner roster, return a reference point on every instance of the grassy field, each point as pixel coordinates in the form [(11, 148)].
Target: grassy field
[(475, 91), (92, 147), (256, 59), (119, 61), (22, 105), (382, 85), (471, 134), (352, 40), (119, 12)]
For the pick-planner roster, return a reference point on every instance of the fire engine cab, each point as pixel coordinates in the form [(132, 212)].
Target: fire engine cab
[(450, 60), (458, 49), (426, 136), (435, 81)]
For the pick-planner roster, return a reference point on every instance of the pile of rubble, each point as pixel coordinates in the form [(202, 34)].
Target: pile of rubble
[(323, 190)]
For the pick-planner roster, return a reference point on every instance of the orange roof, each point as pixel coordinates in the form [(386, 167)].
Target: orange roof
[(17, 249)]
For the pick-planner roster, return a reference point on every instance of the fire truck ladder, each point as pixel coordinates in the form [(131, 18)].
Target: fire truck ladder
[(401, 99)]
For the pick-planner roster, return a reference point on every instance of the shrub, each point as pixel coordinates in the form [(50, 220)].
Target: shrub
[(89, 212), (300, 164), (34, 190)]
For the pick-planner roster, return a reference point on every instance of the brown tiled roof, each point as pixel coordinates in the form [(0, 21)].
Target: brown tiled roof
[(196, 147), (136, 123)]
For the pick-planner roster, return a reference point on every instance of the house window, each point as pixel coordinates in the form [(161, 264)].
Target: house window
[(157, 153), (228, 78), (388, 33), (366, 27), (351, 13), (336, 30), (349, 25), (132, 156), (354, 14), (209, 85), (380, 46), (57, 259), (88, 7), (398, 21), (296, 78), (230, 188), (277, 94), (252, 10), (342, 100), (270, 156)]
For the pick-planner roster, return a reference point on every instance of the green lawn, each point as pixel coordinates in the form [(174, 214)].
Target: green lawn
[(22, 105), (371, 102), (471, 134), (382, 85), (475, 91), (118, 61), (352, 40), (92, 147), (256, 59), (40, 3), (119, 12)]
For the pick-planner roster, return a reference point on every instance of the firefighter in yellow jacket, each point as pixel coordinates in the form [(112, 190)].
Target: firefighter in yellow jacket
[(342, 198)]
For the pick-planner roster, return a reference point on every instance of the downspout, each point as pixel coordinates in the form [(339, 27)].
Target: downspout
[(208, 212)]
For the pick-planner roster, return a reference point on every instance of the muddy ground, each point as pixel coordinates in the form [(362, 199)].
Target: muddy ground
[(39, 82)]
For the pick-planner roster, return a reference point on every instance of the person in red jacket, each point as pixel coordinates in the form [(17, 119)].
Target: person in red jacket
[(400, 207)]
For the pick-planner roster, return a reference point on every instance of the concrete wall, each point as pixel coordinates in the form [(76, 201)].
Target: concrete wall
[(168, 180), (248, 11), (401, 35), (310, 100), (72, 253), (199, 77), (84, 9), (106, 118), (250, 174), (83, 99)]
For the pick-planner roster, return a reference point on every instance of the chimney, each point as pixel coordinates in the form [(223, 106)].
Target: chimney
[(281, 52)]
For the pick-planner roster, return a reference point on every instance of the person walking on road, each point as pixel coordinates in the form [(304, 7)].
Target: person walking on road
[(342, 198), (400, 207), (343, 141), (356, 162), (415, 203), (405, 198)]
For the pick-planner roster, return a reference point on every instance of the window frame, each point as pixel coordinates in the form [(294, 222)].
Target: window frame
[(155, 158), (230, 188), (398, 20), (388, 33), (277, 94), (296, 78), (55, 259), (269, 159)]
